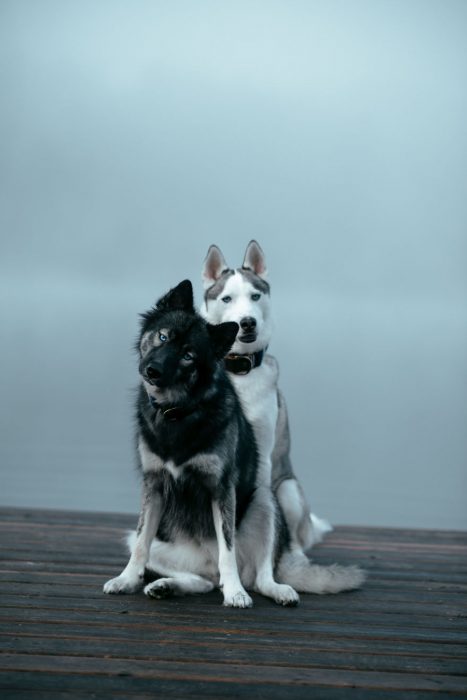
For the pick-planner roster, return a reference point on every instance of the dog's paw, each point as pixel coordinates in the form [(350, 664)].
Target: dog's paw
[(237, 599), (285, 595), (122, 584), (161, 588)]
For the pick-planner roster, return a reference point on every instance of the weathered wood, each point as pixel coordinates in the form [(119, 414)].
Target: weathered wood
[(60, 637), (230, 673), (50, 686)]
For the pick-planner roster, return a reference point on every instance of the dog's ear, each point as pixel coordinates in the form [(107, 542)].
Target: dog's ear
[(222, 337), (179, 298), (254, 259), (214, 266)]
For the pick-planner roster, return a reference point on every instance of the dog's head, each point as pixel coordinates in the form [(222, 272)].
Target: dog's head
[(240, 295), (179, 352)]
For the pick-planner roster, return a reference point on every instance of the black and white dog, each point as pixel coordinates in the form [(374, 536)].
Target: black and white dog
[(208, 516), (242, 295)]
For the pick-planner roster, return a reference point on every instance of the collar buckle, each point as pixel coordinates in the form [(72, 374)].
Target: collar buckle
[(243, 364)]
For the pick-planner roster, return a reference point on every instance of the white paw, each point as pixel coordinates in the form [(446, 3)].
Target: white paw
[(122, 584), (285, 595), (237, 599)]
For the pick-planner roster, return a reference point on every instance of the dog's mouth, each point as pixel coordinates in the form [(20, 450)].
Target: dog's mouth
[(247, 337), (156, 383)]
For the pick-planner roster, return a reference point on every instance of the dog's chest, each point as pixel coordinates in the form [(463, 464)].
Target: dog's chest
[(258, 393), (206, 466), (152, 463)]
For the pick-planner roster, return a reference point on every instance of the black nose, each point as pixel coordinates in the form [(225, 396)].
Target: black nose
[(248, 323), (152, 372)]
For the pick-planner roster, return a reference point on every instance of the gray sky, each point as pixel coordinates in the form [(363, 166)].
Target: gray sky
[(135, 134)]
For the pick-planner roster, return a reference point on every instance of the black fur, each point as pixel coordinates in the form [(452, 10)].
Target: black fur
[(211, 420)]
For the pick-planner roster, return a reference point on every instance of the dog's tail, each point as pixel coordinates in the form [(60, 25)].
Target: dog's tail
[(296, 569)]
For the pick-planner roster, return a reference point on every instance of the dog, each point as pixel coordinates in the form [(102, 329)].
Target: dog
[(243, 295), (208, 517)]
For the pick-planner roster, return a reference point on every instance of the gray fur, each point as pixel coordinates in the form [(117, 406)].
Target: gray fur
[(281, 464), (257, 282), (218, 286)]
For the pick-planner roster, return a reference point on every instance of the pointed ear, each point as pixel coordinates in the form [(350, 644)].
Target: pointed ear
[(222, 337), (179, 298), (214, 266), (254, 260)]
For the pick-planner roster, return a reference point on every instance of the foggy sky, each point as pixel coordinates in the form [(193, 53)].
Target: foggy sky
[(135, 134)]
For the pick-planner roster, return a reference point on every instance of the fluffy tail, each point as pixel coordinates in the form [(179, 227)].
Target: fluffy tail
[(295, 569)]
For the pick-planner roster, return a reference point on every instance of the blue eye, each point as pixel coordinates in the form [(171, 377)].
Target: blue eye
[(226, 299), (162, 337), (188, 356), (255, 297)]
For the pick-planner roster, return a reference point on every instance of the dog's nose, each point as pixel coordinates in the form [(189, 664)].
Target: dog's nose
[(248, 323), (152, 372)]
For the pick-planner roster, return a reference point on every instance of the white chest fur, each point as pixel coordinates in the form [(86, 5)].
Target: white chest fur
[(258, 393), (152, 463), (204, 464)]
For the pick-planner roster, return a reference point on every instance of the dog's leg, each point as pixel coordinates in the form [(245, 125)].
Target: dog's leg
[(263, 552), (178, 584), (305, 528), (131, 578), (223, 511)]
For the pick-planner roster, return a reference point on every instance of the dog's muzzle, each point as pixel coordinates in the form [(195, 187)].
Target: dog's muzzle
[(152, 373), (248, 328)]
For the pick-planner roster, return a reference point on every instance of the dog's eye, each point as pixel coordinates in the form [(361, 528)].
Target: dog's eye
[(226, 299), (255, 297), (188, 356), (162, 337)]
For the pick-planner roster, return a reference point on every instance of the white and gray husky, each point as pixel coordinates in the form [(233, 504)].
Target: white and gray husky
[(209, 517), (242, 295)]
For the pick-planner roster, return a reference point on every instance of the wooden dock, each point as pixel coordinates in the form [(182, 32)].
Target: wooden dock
[(404, 635)]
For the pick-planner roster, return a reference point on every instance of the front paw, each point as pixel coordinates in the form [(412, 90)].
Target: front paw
[(237, 599), (286, 595), (123, 584)]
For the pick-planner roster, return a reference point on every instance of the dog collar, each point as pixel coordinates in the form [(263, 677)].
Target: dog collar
[(243, 364), (170, 414)]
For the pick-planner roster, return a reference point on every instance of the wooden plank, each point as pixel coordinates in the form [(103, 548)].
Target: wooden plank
[(216, 651), (42, 686), (59, 595), (173, 635), (404, 632), (44, 619), (14, 606), (231, 673)]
